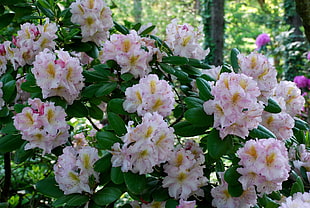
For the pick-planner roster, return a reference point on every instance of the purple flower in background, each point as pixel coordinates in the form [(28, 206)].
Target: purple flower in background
[(262, 40), (308, 56), (301, 81)]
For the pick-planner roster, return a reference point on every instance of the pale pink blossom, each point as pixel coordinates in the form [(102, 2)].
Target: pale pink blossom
[(183, 40), (149, 95), (42, 124), (95, 19), (297, 200), (264, 164), (186, 204)]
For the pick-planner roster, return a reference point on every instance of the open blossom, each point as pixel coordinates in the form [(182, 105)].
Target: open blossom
[(1, 96), (301, 81), (129, 52), (42, 124), (185, 171), (264, 164), (31, 40), (297, 200), (186, 204), (3, 59), (259, 68), (183, 40), (58, 74), (150, 95), (145, 146), (291, 94), (95, 19), (262, 40), (222, 198), (301, 158), (235, 106), (74, 169)]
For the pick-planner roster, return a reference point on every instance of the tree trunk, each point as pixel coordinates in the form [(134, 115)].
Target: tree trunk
[(137, 10), (303, 9)]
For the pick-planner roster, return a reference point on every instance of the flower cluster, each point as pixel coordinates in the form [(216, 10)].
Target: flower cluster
[(258, 67), (222, 198), (145, 146), (30, 40), (59, 75), (74, 169), (1, 96), (302, 81), (297, 200), (42, 124), (95, 18), (129, 53), (185, 171), (264, 164), (183, 40), (235, 106), (262, 40), (150, 95), (301, 159)]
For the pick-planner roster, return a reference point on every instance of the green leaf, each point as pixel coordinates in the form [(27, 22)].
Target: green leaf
[(171, 203), (44, 4), (90, 90), (46, 11), (298, 186), (218, 147), (160, 194), (167, 68), (301, 124), (186, 129), (120, 28), (77, 109), (22, 155), (234, 59), (107, 195), (127, 77), (204, 89), (193, 102), (235, 190), (103, 164), (9, 91), (231, 176), (197, 63), (94, 51), (106, 139), (261, 132), (117, 175), (4, 112), (175, 60), (191, 70), (116, 105), (135, 183), (95, 112), (273, 106), (49, 187), (147, 30), (181, 75), (207, 77), (6, 19), (71, 200), (117, 123), (18, 108), (96, 75), (30, 84), (198, 117), (106, 88), (10, 142)]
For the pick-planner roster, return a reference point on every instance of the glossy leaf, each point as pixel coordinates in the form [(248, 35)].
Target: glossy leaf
[(73, 200), (147, 30), (273, 106), (261, 132), (106, 139), (167, 68), (103, 164), (117, 175), (234, 59), (204, 89), (77, 109), (186, 129), (49, 187), (198, 117), (107, 195), (301, 124), (218, 147), (116, 105), (134, 182), (120, 28), (105, 89), (231, 176), (117, 123), (10, 142), (175, 60), (6, 19), (193, 102), (235, 190)]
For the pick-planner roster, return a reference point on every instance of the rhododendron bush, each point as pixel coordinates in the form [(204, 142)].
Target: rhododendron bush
[(102, 115)]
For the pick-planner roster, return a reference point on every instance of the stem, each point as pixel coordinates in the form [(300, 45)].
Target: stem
[(93, 124), (7, 176)]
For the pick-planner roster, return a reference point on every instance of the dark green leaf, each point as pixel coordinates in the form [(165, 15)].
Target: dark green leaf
[(175, 60), (44, 4), (49, 187), (30, 84), (198, 117), (46, 11), (116, 105), (171, 203), (234, 59), (231, 176), (71, 200), (135, 183), (127, 77), (103, 164), (21, 154), (106, 139), (106, 88), (117, 123), (148, 30), (193, 102), (95, 112), (181, 75), (93, 52), (120, 28), (117, 175), (191, 70), (218, 147), (298, 186), (197, 63), (9, 143), (207, 77), (235, 190), (301, 124), (77, 109), (261, 132), (106, 196), (4, 112), (273, 106), (160, 194), (6, 19), (204, 89), (167, 68), (187, 129), (9, 91), (91, 90)]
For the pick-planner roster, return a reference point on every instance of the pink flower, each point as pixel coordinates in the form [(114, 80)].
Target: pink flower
[(297, 200), (301, 81), (150, 95), (43, 125), (308, 55), (262, 40), (186, 204), (264, 164)]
